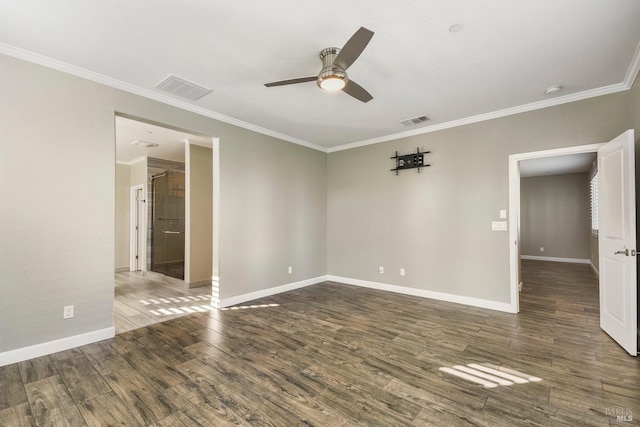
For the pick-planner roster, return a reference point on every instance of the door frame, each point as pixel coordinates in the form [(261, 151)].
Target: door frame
[(514, 209), (134, 213)]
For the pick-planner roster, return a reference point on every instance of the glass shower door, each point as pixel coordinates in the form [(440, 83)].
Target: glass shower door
[(167, 255)]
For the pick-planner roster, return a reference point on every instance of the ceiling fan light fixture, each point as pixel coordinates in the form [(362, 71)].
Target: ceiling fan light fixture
[(331, 78), (332, 83)]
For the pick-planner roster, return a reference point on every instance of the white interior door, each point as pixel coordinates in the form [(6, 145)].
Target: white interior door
[(617, 241)]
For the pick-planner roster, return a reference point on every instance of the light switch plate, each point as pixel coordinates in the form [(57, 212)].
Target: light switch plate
[(503, 213), (499, 225), (67, 312)]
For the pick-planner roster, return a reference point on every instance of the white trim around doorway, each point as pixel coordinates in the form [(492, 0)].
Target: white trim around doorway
[(514, 209)]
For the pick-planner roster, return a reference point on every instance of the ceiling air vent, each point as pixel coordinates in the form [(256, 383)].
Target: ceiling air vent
[(183, 88), (415, 121)]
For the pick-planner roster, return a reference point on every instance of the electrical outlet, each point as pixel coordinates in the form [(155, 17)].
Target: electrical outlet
[(68, 312), (290, 270), (380, 270), (402, 271), (541, 249)]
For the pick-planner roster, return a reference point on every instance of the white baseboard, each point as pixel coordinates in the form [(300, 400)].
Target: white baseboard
[(458, 299), (556, 259), (227, 302), (38, 350), (122, 269), (595, 270)]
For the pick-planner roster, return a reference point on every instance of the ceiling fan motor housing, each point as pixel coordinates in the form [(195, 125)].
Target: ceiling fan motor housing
[(330, 71)]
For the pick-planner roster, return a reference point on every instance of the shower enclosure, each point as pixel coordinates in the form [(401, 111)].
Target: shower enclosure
[(167, 230)]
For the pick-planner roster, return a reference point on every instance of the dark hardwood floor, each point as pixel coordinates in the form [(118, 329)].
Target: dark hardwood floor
[(338, 355)]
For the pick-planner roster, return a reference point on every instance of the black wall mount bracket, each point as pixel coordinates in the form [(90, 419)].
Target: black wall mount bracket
[(410, 161)]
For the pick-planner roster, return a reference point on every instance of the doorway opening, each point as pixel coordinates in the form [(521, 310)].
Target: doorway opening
[(616, 224), (558, 248), (166, 233), (516, 162)]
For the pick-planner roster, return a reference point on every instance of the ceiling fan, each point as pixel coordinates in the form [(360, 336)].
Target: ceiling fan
[(335, 61)]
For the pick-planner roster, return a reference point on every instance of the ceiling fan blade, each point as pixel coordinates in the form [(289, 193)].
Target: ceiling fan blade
[(358, 92), (353, 48), (292, 81)]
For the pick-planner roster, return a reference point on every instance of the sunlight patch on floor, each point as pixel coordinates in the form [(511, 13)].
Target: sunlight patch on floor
[(490, 375), (171, 300), (180, 309), (170, 311)]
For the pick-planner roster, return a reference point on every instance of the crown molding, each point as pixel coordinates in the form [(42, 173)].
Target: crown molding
[(629, 79), (634, 67), (45, 61), (632, 73), (606, 90)]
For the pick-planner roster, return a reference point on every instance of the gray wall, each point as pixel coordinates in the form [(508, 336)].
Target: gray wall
[(555, 213), (274, 208), (635, 108), (199, 251), (57, 225), (437, 224), (122, 220), (57, 221)]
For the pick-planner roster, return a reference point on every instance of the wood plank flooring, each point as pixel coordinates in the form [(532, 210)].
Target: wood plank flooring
[(338, 355), (143, 300)]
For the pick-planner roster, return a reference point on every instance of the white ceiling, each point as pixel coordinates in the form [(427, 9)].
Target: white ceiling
[(502, 61), (559, 165), (170, 142)]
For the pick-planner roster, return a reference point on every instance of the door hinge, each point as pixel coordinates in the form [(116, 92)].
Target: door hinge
[(136, 256)]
